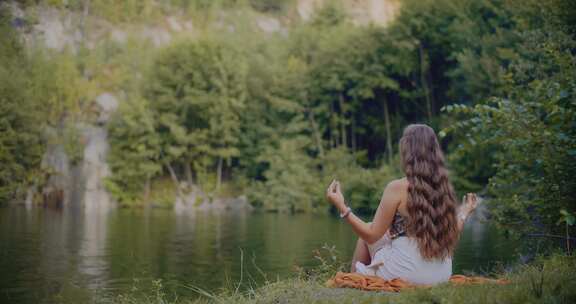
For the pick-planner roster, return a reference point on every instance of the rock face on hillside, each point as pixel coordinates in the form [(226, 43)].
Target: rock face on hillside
[(108, 104), (58, 30), (362, 12), (59, 188), (81, 184), (95, 169)]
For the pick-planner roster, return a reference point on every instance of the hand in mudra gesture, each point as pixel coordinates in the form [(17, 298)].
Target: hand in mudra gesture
[(469, 204), (334, 195)]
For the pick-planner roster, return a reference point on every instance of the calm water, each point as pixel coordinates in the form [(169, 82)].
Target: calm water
[(63, 256)]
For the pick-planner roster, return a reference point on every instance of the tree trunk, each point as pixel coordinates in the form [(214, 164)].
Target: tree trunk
[(387, 125), (316, 132), (175, 180), (424, 81), (353, 133), (344, 141), (567, 239), (219, 174), (333, 127), (189, 178), (147, 190)]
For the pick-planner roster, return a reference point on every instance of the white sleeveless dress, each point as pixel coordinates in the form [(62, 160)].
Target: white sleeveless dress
[(401, 258)]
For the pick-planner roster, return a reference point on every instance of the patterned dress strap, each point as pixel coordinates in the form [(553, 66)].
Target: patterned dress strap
[(398, 227)]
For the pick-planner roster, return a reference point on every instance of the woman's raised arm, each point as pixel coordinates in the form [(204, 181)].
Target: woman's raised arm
[(389, 203)]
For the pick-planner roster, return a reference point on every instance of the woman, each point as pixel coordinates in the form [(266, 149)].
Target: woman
[(416, 226)]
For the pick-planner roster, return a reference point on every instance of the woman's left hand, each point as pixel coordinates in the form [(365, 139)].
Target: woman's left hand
[(469, 204), (334, 195)]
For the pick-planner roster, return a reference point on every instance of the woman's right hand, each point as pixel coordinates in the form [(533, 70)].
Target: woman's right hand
[(335, 196)]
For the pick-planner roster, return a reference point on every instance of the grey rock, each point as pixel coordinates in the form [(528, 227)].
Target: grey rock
[(108, 103), (58, 30), (118, 36), (157, 35), (95, 169), (268, 24), (58, 186)]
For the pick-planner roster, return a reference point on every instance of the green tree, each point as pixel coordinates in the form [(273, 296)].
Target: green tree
[(134, 157), (197, 90), (291, 182), (531, 130)]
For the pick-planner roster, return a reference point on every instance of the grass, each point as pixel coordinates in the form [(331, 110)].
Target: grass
[(547, 280)]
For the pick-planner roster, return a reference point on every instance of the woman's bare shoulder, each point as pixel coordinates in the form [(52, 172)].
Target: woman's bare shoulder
[(398, 188), (400, 184)]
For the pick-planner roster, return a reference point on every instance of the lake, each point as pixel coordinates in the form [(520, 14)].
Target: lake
[(67, 256)]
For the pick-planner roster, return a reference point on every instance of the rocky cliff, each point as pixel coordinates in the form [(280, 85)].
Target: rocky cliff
[(63, 30)]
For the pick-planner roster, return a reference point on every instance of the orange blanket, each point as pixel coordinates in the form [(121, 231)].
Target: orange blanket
[(358, 281)]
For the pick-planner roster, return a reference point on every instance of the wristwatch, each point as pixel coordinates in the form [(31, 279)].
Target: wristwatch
[(346, 213)]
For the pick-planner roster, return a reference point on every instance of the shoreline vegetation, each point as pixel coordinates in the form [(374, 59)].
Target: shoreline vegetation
[(214, 101), (550, 279)]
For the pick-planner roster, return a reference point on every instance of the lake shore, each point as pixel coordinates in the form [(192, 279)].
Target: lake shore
[(546, 280)]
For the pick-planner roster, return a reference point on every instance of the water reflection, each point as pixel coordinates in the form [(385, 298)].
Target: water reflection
[(92, 264), (74, 256)]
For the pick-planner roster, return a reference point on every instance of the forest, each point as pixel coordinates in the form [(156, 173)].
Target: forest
[(277, 116)]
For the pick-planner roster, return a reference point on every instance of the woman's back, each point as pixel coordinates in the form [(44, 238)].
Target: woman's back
[(397, 255)]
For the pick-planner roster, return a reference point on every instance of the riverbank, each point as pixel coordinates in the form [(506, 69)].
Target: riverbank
[(70, 256), (546, 280)]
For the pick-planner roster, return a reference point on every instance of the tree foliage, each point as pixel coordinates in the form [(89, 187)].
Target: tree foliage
[(135, 152), (531, 132), (38, 92), (189, 119), (20, 142)]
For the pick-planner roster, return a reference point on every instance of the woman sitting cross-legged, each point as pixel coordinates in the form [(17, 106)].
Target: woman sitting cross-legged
[(417, 224)]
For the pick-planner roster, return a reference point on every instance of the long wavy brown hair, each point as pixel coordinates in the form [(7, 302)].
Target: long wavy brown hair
[(431, 200)]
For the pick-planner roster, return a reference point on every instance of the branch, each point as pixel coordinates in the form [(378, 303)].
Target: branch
[(550, 236)]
